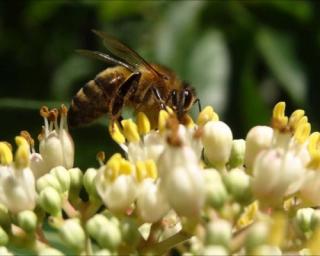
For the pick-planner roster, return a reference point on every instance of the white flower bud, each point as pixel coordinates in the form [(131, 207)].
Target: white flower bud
[(310, 190), (151, 203), (5, 252), (50, 201), (237, 153), (267, 250), (214, 250), (105, 232), (257, 235), (62, 176), (72, 234), (50, 252), (118, 195), (238, 183), (17, 189), (276, 174), (37, 165), (27, 220), (129, 231), (305, 252), (304, 218), (258, 139), (216, 193), (50, 150), (48, 180), (4, 238), (217, 142), (89, 183), (219, 233)]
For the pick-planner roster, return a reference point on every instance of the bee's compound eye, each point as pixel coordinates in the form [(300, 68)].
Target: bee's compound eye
[(187, 99), (174, 98)]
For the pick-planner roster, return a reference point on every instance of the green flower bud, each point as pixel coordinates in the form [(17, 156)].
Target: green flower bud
[(4, 216), (89, 183), (257, 235), (304, 218), (237, 153), (214, 250), (105, 232), (103, 252), (315, 219), (27, 220), (109, 215), (76, 176), (267, 250), (219, 233), (62, 176), (238, 184), (129, 231), (4, 239), (48, 180), (50, 201), (216, 193), (50, 252), (72, 234)]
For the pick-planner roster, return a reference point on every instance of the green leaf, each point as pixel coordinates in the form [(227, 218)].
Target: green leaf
[(209, 69), (278, 51), (176, 33)]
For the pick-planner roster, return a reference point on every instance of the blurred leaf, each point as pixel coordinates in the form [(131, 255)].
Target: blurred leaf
[(278, 52), (209, 69), (38, 12), (73, 69), (176, 33)]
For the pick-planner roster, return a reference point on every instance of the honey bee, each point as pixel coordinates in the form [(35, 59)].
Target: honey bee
[(130, 81)]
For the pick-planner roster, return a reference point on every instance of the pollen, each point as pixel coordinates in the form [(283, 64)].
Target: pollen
[(163, 118), (23, 152), (206, 115), (130, 130), (116, 133), (143, 123), (248, 215), (302, 132), (279, 119), (5, 154)]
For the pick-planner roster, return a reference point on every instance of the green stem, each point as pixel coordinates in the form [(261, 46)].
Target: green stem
[(163, 246)]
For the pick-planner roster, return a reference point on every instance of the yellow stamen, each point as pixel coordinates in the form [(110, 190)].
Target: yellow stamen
[(302, 132), (313, 148), (169, 110), (126, 167), (23, 152), (113, 167), (141, 171), (116, 133), (313, 244), (151, 169), (130, 130), (163, 118), (278, 229), (295, 118), (188, 121), (279, 119), (248, 215), (143, 123), (5, 154), (206, 115)]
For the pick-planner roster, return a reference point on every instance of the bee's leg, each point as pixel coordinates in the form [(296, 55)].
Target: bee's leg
[(199, 104), (157, 95)]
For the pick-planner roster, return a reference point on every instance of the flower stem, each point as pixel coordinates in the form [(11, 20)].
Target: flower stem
[(163, 246)]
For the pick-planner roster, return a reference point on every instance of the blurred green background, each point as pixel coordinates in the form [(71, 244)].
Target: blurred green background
[(241, 56)]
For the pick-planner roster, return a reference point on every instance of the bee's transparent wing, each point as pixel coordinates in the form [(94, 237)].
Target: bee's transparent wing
[(106, 58), (124, 52)]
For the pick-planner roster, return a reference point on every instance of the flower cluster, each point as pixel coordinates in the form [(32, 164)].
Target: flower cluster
[(185, 186)]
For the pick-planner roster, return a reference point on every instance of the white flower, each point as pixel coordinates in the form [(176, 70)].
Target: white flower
[(151, 203), (276, 173), (182, 180), (310, 190)]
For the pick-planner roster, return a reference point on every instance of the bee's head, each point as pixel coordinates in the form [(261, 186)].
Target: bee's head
[(182, 100)]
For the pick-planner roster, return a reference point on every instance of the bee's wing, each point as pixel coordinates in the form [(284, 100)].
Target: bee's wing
[(124, 52), (106, 58)]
